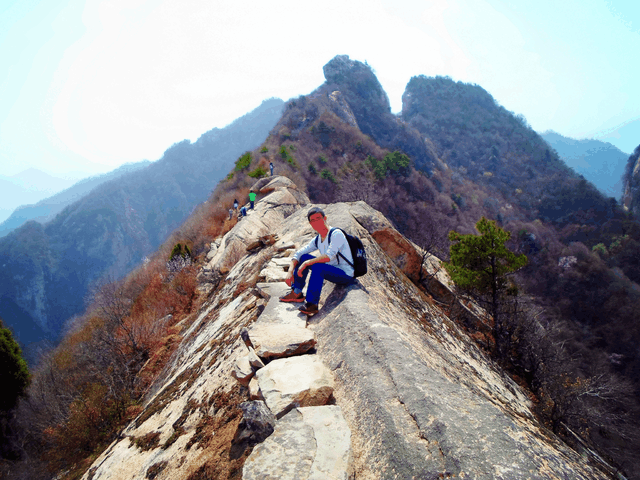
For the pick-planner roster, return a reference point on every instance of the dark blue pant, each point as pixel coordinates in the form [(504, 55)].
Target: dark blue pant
[(319, 273)]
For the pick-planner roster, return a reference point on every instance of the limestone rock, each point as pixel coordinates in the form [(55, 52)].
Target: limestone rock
[(273, 273), (212, 252), (242, 370), (257, 423), (283, 263), (269, 184), (254, 390), (310, 443), (254, 360), (276, 341), (295, 382)]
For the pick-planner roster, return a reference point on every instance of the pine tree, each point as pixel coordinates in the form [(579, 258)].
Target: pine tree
[(481, 263), (14, 374)]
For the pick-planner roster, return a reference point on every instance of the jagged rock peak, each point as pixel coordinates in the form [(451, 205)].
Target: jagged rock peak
[(356, 77)]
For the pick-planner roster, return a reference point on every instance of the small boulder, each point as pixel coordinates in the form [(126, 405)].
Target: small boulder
[(258, 422), (300, 381), (254, 390), (243, 371), (254, 360)]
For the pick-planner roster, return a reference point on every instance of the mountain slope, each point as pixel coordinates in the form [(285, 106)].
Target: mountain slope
[(47, 271), (599, 162), (419, 399), (45, 210)]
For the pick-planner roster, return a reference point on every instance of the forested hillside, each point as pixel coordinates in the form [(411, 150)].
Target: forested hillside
[(48, 270)]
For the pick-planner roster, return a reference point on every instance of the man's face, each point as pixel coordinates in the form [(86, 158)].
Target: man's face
[(317, 222)]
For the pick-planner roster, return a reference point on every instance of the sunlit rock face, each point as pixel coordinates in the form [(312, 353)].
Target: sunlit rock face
[(410, 394)]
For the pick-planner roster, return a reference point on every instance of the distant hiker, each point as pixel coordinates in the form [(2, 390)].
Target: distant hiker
[(235, 205), (230, 213), (271, 168), (335, 263), (252, 198), (243, 211)]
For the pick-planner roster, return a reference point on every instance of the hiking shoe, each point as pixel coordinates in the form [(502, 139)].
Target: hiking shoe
[(292, 297), (309, 308)]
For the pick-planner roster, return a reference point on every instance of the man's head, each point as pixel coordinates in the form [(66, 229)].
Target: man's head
[(317, 219)]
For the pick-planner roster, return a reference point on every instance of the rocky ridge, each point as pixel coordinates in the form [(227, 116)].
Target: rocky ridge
[(399, 390)]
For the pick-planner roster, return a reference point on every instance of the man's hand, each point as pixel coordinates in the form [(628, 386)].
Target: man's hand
[(302, 267), (289, 278)]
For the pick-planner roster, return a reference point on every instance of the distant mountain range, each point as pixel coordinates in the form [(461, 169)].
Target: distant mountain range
[(599, 162), (28, 187), (47, 270), (47, 209)]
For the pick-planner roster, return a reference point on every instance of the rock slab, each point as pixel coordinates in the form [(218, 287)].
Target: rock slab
[(300, 381), (309, 443), (277, 341)]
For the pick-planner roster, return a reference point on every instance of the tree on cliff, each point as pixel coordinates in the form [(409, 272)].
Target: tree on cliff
[(14, 374), (14, 379), (481, 263)]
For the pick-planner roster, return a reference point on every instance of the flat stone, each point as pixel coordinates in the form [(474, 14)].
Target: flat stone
[(301, 381), (283, 262), (278, 340), (277, 312), (310, 443)]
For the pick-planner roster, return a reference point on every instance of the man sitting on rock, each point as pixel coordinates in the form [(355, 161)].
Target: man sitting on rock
[(335, 263)]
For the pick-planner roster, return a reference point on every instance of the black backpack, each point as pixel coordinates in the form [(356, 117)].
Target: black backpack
[(357, 253)]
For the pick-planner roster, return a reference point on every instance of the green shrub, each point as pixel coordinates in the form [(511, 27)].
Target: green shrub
[(180, 250), (396, 163), (264, 149), (327, 175), (322, 159), (259, 172), (244, 161), (600, 248), (284, 153), (312, 169)]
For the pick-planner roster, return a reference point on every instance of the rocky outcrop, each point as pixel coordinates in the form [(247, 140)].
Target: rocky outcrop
[(631, 183), (411, 396), (369, 105)]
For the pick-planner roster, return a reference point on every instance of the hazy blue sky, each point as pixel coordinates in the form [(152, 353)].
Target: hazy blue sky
[(90, 84)]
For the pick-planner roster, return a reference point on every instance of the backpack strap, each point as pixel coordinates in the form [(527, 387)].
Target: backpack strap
[(339, 254)]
